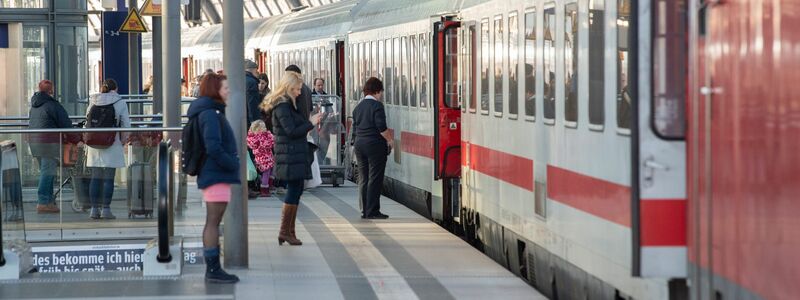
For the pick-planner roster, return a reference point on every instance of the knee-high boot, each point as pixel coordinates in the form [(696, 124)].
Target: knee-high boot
[(293, 209), (287, 226)]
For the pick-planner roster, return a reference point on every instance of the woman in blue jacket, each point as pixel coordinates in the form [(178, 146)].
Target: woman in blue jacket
[(220, 169), (292, 154)]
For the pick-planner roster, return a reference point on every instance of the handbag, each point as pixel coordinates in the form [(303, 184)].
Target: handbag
[(251, 169), (70, 155)]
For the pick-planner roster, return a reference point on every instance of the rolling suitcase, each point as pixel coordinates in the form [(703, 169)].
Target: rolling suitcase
[(140, 190)]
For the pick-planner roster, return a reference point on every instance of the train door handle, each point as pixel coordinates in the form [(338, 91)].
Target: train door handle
[(650, 165)]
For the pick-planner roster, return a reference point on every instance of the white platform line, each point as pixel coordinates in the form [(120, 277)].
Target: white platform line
[(382, 276)]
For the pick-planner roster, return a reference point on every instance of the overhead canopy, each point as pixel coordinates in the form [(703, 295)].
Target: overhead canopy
[(211, 11)]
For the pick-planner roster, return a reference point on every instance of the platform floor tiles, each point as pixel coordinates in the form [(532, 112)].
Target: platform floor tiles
[(343, 257)]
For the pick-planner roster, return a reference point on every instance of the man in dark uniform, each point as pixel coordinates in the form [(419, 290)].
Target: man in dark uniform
[(373, 143), (252, 93)]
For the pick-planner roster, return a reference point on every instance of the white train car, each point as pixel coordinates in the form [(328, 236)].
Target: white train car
[(526, 126)]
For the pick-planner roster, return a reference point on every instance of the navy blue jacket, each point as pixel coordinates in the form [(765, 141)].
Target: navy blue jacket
[(46, 112), (291, 149), (222, 160), (253, 97)]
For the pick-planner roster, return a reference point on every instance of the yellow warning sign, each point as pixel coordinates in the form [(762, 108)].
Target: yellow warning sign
[(133, 23), (150, 9)]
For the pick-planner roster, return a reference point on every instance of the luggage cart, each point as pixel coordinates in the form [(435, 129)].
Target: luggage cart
[(328, 136)]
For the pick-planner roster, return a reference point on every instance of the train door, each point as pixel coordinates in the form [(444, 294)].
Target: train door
[(658, 43), (447, 118)]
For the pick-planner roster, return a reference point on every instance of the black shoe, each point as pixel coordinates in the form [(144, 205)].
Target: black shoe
[(215, 273), (378, 216)]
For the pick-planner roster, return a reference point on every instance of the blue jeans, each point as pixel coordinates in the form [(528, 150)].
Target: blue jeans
[(101, 186), (47, 173), (294, 191)]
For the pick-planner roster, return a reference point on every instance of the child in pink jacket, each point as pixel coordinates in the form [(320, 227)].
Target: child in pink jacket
[(261, 141)]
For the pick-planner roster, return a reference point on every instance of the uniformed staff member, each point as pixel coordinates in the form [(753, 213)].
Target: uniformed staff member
[(373, 143)]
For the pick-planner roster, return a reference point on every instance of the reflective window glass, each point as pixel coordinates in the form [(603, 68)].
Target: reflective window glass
[(485, 66), (549, 73), (530, 64), (596, 61), (414, 68), (571, 62), (498, 54), (623, 96), (513, 64), (424, 68)]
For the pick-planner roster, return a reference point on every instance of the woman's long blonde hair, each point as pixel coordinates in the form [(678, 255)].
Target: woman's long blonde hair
[(288, 80)]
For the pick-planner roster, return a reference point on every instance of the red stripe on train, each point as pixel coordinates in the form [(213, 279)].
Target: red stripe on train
[(416, 144), (663, 222), (504, 166), (598, 197)]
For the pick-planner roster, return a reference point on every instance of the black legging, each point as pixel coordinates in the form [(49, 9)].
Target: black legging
[(214, 213)]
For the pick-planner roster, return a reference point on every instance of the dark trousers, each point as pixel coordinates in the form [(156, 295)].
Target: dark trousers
[(294, 191), (371, 166)]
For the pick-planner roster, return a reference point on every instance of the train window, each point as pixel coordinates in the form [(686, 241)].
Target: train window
[(669, 69), (414, 68), (388, 73), (485, 66), (571, 64), (462, 66), (374, 58), (397, 72), (596, 62), (424, 58), (350, 78), (381, 61), (530, 63), (549, 63), (404, 71), (623, 96), (513, 64), (472, 71), (450, 70), (499, 93)]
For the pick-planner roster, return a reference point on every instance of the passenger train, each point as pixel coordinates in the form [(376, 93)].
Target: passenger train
[(555, 135)]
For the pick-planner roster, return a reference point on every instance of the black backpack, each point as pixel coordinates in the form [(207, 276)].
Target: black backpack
[(193, 151), (101, 116)]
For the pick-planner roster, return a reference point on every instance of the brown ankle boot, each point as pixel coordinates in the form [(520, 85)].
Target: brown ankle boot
[(285, 234), (293, 210)]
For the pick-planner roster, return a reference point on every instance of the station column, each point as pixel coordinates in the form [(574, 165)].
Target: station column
[(235, 230)]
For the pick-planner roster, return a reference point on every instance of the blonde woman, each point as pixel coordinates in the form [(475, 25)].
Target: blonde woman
[(292, 154)]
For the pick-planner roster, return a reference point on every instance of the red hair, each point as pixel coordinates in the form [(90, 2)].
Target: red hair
[(210, 86), (45, 86)]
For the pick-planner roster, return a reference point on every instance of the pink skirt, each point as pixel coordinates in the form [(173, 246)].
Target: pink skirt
[(220, 192)]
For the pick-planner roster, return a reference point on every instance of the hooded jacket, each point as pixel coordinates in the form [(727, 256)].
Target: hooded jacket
[(291, 146), (222, 158), (46, 112), (114, 156), (253, 97)]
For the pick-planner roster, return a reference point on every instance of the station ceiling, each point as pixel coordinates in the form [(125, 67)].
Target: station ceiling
[(211, 11)]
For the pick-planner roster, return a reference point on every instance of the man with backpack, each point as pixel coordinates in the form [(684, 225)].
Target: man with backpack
[(47, 112)]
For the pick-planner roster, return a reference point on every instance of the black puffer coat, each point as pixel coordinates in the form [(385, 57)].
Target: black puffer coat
[(291, 146)]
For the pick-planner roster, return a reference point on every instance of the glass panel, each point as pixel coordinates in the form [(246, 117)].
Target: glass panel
[(549, 62), (25, 3), (398, 72), (34, 56), (472, 74), (389, 71), (530, 64), (513, 64), (498, 66), (571, 62), (451, 69), (71, 72), (485, 66), (404, 85), (596, 61), (669, 69), (623, 96), (424, 69), (381, 61), (71, 4), (414, 69)]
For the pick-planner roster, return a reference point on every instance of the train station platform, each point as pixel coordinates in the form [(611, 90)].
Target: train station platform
[(343, 257)]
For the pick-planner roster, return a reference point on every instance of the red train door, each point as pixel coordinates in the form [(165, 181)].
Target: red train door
[(447, 118)]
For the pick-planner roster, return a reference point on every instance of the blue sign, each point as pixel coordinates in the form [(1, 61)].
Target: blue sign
[(115, 51)]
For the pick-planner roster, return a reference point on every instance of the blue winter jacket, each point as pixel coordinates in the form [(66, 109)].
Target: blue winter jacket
[(222, 160)]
